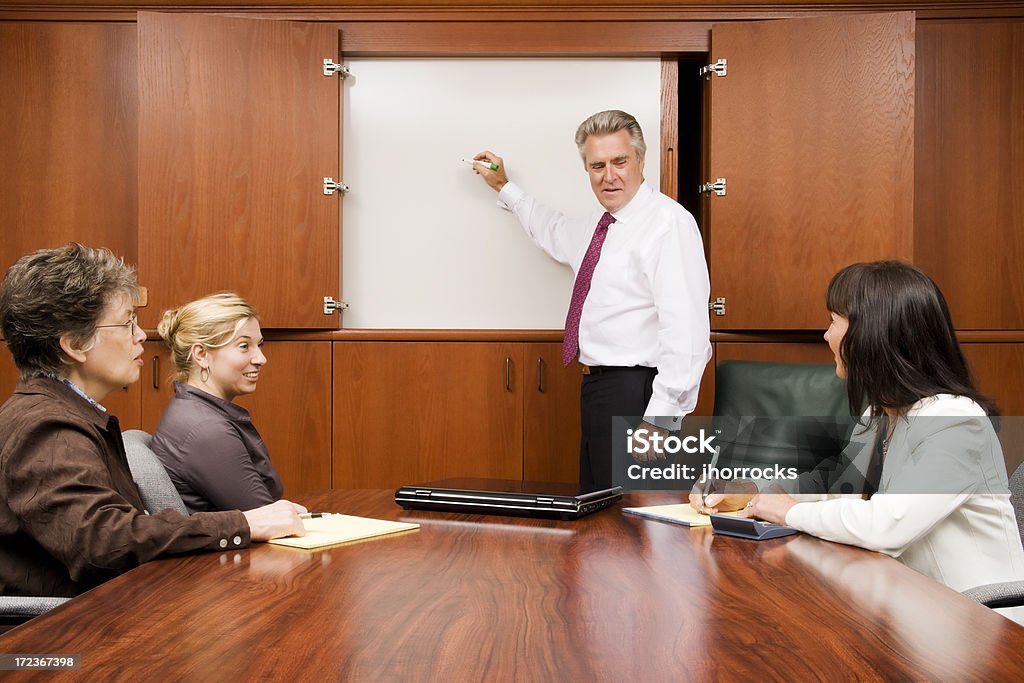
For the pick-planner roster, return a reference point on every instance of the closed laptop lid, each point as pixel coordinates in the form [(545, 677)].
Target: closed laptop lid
[(506, 497), (514, 487)]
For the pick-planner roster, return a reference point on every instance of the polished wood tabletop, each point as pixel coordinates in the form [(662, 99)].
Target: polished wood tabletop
[(610, 597)]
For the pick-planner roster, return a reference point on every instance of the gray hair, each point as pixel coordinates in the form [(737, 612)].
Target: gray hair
[(53, 292), (608, 122)]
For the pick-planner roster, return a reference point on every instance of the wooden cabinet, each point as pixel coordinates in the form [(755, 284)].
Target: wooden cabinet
[(813, 130), (968, 209), (291, 407), (999, 374), (68, 140), (551, 414), (414, 411), (774, 352), (238, 127)]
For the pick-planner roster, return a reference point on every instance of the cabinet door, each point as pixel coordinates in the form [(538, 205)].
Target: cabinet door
[(551, 394), (238, 126), (409, 412), (999, 374), (291, 408), (813, 130), (969, 210), (68, 140)]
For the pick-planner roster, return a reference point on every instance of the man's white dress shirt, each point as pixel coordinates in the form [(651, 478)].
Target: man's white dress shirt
[(648, 300)]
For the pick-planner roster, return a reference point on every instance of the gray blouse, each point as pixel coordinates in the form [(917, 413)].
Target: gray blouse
[(213, 453)]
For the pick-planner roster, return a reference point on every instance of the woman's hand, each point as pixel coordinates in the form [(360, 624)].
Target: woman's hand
[(733, 496), (771, 507), (275, 520)]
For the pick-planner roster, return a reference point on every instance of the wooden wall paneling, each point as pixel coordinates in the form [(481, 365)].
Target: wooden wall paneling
[(791, 352), (408, 411), (813, 129), (292, 411), (624, 12), (969, 195), (706, 393), (670, 127), (486, 37), (238, 127), (999, 374), (8, 373), (156, 383), (68, 141), (551, 441)]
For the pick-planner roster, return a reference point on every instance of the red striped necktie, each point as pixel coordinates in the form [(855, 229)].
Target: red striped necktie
[(571, 345)]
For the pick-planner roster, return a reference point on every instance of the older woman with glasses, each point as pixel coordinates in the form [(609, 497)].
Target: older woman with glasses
[(70, 513)]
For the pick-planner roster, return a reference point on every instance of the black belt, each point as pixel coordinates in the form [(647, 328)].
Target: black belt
[(602, 369)]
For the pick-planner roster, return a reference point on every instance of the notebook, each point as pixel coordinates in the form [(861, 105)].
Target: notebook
[(337, 528), (680, 513), (507, 497)]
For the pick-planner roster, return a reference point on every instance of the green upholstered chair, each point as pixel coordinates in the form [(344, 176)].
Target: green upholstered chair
[(793, 414)]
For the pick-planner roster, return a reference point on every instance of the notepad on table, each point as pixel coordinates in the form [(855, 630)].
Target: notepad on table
[(335, 529), (680, 513)]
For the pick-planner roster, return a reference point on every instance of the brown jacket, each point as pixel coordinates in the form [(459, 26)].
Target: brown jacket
[(70, 513)]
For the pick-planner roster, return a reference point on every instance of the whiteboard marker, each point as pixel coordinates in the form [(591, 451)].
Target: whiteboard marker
[(487, 164)]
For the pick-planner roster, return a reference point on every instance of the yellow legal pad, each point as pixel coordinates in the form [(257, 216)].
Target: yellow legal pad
[(335, 529), (680, 513)]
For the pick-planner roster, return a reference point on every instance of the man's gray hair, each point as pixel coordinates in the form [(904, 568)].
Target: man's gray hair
[(608, 122), (53, 292)]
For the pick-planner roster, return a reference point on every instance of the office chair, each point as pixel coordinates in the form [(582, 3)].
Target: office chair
[(1008, 593), (793, 414), (157, 492), (155, 487), (16, 610)]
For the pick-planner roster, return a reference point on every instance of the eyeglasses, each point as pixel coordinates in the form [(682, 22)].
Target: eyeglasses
[(131, 324)]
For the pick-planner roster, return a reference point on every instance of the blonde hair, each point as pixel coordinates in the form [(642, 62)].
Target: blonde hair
[(212, 321)]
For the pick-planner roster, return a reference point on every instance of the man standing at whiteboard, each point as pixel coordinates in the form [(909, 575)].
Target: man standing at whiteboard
[(638, 317)]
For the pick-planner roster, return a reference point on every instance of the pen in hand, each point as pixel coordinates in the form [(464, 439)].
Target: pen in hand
[(486, 164), (707, 480), (313, 515)]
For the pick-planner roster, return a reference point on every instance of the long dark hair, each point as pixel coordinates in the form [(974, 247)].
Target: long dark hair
[(900, 346)]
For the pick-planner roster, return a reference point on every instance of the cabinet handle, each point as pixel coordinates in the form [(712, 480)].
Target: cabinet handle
[(156, 372), (540, 374), (508, 374)]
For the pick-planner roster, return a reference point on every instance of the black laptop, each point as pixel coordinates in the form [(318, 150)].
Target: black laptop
[(506, 497)]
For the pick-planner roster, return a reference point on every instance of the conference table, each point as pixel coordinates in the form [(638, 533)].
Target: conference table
[(610, 597)]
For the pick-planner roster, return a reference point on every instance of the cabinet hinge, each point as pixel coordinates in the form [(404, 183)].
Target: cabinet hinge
[(718, 68), (718, 306), (718, 187), (330, 305), (330, 187), (330, 68)]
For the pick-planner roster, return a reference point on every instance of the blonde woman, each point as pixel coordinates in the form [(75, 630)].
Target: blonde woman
[(207, 443)]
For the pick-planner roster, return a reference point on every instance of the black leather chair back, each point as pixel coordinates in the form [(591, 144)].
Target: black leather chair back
[(794, 414)]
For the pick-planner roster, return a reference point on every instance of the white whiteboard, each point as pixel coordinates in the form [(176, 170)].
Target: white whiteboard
[(424, 244)]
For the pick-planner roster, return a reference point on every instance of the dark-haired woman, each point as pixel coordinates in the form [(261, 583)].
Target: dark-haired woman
[(939, 501)]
